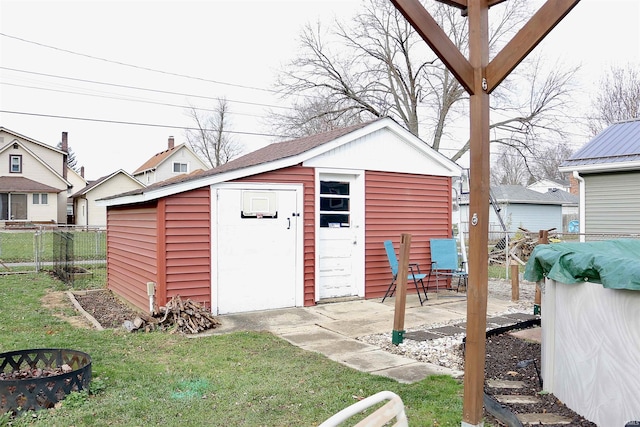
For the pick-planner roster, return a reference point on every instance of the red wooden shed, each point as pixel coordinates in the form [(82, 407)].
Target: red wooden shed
[(287, 225)]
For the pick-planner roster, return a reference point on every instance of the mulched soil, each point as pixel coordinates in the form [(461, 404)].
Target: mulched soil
[(503, 354), (108, 310)]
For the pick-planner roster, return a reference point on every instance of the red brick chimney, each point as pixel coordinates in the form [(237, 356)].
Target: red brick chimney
[(171, 142), (574, 186), (65, 148)]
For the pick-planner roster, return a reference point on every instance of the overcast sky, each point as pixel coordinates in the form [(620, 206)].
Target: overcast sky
[(160, 57)]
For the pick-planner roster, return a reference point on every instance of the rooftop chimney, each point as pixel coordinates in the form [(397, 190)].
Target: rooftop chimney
[(65, 148), (171, 142), (82, 171)]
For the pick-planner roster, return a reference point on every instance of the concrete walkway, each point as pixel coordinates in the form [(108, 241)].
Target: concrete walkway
[(331, 329)]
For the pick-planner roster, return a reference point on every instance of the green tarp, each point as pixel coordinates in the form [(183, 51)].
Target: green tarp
[(613, 263)]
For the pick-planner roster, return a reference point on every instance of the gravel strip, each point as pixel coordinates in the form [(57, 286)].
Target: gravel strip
[(447, 351)]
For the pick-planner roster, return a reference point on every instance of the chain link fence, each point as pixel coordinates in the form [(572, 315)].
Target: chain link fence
[(71, 253)]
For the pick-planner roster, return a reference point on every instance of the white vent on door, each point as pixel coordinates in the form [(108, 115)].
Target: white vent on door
[(259, 204)]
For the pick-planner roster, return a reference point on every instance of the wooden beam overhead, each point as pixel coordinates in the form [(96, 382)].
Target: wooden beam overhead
[(462, 4), (531, 34), (437, 40)]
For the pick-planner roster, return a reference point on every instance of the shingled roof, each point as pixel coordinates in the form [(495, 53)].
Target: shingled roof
[(157, 158), (270, 153), (522, 195), (10, 184), (280, 155)]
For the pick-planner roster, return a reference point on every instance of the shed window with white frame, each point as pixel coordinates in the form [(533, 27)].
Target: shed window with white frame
[(334, 204)]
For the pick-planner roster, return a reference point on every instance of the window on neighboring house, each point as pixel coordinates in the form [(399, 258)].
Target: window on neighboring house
[(13, 206), (15, 163), (334, 204), (180, 167), (40, 199)]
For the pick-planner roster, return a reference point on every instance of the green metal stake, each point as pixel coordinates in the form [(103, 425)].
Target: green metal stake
[(397, 337)]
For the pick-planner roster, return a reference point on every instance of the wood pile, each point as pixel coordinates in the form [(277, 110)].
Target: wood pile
[(187, 317), (520, 247)]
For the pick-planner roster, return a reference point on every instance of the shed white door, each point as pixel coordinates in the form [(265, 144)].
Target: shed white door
[(255, 249), (338, 232)]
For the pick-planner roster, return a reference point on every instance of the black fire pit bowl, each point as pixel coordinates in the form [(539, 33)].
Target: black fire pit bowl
[(39, 392)]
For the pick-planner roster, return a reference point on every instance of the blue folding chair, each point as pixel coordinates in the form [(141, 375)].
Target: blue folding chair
[(416, 276), (445, 264)]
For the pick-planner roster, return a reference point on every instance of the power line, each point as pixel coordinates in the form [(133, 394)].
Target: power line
[(166, 92), (118, 122), (186, 76), (126, 99)]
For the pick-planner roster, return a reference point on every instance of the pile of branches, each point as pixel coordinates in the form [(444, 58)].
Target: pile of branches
[(520, 247), (187, 317)]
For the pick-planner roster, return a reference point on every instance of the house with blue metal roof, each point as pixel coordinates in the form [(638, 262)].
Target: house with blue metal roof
[(608, 170)]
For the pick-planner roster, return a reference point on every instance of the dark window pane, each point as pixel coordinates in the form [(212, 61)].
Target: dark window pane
[(4, 206), (334, 204), (334, 187)]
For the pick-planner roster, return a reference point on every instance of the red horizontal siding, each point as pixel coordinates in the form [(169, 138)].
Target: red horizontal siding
[(402, 203), (305, 176), (132, 252), (186, 244)]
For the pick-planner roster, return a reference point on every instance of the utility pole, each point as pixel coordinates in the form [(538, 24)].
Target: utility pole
[(480, 77)]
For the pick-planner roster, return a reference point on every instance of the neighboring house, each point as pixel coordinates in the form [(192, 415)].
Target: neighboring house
[(290, 224), (85, 208), (545, 185), (519, 207), (175, 160), (77, 182), (608, 170), (33, 180)]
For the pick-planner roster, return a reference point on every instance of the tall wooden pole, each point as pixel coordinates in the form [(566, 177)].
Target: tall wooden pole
[(474, 360), (480, 77)]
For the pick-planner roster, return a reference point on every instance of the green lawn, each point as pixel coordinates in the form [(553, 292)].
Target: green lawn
[(239, 379)]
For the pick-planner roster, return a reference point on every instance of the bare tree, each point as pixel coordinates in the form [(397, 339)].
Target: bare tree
[(510, 167), (211, 141), (378, 66), (618, 98), (514, 164), (310, 116), (548, 159), (72, 162)]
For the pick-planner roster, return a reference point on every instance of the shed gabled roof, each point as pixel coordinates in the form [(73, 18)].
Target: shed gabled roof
[(614, 149), (280, 155)]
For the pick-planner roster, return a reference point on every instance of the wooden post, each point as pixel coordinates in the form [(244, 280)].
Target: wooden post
[(543, 239), (515, 280), (401, 289), (475, 347), (480, 77)]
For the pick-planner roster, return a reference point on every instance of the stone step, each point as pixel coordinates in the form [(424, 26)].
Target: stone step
[(516, 399), (543, 419), (504, 384)]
